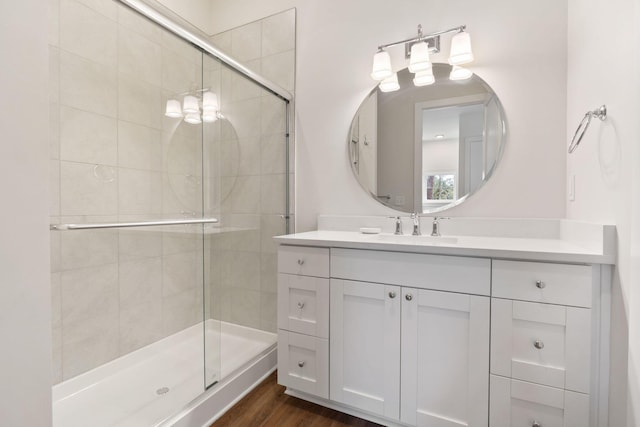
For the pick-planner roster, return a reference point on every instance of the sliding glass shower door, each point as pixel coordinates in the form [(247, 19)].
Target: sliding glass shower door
[(128, 301)]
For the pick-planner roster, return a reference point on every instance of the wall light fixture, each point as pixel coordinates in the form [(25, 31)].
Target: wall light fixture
[(418, 49), (190, 107)]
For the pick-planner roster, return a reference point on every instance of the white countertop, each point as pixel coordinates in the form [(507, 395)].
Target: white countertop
[(523, 248)]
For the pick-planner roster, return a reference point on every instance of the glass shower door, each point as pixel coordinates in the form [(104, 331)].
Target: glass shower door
[(127, 301), (245, 160)]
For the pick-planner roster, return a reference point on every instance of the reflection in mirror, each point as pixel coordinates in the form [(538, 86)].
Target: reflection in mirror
[(425, 149)]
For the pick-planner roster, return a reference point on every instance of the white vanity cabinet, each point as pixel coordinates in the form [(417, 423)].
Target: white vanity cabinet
[(435, 340), (406, 352), (303, 319), (541, 343)]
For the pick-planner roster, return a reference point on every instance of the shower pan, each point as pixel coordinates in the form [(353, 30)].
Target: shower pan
[(163, 269)]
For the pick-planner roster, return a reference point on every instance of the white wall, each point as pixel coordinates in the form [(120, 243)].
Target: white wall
[(517, 53), (25, 298), (197, 12), (603, 68)]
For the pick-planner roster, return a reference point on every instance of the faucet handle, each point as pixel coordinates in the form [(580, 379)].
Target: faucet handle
[(398, 229), (435, 227)]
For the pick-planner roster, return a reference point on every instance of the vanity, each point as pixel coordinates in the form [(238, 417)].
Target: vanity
[(496, 329)]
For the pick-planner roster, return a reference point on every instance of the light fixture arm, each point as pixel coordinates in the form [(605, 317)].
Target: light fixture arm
[(423, 36)]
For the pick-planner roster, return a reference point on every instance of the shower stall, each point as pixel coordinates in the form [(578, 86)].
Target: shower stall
[(170, 173)]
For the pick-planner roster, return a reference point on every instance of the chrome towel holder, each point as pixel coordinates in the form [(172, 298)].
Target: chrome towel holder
[(600, 113)]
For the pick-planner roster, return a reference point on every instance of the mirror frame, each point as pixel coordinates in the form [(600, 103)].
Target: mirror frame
[(458, 201)]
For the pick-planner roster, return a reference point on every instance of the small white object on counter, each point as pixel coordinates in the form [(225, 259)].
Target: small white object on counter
[(370, 230)]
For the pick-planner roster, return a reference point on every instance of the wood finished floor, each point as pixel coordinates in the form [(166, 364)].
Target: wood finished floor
[(268, 406)]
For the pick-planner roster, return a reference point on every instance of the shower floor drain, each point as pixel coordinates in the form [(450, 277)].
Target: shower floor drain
[(162, 390)]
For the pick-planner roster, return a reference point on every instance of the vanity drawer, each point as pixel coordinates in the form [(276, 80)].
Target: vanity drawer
[(303, 304), (541, 343), (303, 260), (518, 403), (542, 282), (438, 272), (303, 363)]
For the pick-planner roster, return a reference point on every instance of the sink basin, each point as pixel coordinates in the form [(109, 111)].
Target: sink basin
[(408, 239)]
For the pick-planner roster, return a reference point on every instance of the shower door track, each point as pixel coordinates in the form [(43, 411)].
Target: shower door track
[(67, 227), (166, 18)]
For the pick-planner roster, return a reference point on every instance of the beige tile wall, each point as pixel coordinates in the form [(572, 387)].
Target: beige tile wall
[(242, 283), (115, 157)]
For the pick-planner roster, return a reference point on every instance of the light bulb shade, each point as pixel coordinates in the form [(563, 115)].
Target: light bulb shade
[(419, 57), (460, 73), (381, 66), (210, 101), (390, 83), (424, 78), (209, 116), (460, 49), (173, 109), (190, 105), (192, 118)]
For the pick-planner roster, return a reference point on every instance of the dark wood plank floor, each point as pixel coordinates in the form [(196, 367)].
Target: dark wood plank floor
[(268, 406)]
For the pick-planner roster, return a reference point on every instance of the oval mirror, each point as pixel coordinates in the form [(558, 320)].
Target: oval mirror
[(426, 149)]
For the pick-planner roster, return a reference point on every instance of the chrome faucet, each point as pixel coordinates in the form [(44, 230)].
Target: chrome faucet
[(416, 224), (398, 231), (435, 226)]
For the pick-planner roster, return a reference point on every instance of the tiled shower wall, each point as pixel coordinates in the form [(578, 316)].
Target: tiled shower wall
[(243, 264), (115, 157)]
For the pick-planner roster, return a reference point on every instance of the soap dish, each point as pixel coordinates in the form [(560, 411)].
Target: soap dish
[(370, 230)]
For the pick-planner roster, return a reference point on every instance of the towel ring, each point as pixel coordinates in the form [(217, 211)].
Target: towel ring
[(600, 113)]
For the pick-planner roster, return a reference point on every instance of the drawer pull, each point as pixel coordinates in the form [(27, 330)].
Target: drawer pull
[(301, 305), (300, 261), (392, 294), (540, 284), (408, 297), (301, 363), (538, 344), (536, 424)]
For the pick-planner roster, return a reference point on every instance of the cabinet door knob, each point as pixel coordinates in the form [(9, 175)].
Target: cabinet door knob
[(301, 305), (538, 344), (392, 294), (300, 261), (540, 284), (536, 424), (301, 363), (408, 297)]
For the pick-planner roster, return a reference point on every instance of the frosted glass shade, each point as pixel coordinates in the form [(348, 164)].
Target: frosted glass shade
[(460, 73), (210, 101), (424, 78), (173, 109), (419, 57), (192, 118), (390, 83), (381, 66), (209, 116), (190, 105), (460, 49)]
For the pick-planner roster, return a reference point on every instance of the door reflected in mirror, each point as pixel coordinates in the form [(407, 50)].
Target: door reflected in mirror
[(425, 149)]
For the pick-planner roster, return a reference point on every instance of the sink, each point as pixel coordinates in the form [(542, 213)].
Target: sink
[(408, 239)]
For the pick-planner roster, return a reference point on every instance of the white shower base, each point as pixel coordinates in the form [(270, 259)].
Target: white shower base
[(123, 392)]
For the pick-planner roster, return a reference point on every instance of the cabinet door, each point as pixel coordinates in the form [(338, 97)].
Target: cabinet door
[(364, 346), (445, 359)]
